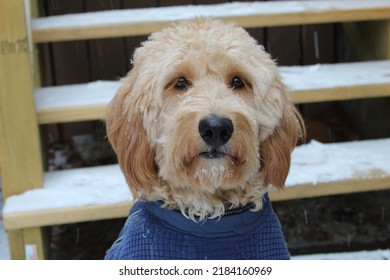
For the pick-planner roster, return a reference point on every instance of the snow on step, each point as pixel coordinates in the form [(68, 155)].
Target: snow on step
[(299, 79), (323, 76), (311, 164), (72, 188), (151, 19), (360, 255), (315, 162), (76, 95)]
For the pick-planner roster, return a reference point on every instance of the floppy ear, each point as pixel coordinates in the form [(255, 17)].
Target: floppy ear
[(275, 151), (126, 133)]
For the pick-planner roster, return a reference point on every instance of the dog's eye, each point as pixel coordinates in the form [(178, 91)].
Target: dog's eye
[(182, 84), (237, 83)]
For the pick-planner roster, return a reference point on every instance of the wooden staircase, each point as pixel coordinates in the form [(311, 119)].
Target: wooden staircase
[(23, 108)]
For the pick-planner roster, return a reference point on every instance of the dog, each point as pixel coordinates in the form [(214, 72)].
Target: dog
[(202, 127)]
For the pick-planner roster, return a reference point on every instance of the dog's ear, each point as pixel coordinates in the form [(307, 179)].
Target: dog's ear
[(126, 133), (275, 151)]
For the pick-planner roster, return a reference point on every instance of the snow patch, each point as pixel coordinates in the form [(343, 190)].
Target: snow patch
[(315, 162), (77, 95), (361, 255), (321, 76), (312, 163), (72, 188), (4, 247), (176, 13), (313, 77)]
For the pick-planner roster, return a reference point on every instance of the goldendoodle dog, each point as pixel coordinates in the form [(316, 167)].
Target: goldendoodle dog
[(202, 127)]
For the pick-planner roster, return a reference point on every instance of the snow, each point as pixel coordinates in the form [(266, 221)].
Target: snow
[(336, 75), (72, 188), (361, 255), (78, 95), (314, 77), (4, 248), (312, 163), (315, 162), (175, 13)]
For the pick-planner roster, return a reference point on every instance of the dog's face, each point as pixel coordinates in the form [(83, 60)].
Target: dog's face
[(203, 119)]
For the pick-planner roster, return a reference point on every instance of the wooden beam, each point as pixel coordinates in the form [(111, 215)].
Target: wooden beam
[(332, 188), (73, 114), (340, 93), (33, 240), (66, 215), (19, 142), (255, 14), (20, 153), (307, 84), (14, 221), (16, 243), (97, 112)]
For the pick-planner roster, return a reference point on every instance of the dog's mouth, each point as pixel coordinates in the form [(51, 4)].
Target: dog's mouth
[(212, 154)]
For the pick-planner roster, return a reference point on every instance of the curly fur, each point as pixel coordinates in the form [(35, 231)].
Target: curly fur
[(153, 127)]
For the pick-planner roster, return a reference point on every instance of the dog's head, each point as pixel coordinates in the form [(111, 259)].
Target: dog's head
[(203, 119)]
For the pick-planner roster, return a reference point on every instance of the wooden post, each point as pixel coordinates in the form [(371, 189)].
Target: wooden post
[(20, 153)]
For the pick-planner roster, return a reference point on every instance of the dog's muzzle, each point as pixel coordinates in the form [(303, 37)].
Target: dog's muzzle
[(215, 132)]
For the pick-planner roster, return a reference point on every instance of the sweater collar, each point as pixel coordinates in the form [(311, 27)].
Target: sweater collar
[(232, 223)]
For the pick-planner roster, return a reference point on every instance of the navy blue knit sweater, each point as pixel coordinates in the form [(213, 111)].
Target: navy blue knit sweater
[(153, 232)]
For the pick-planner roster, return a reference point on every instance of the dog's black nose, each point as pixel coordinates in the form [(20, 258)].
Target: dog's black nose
[(215, 131)]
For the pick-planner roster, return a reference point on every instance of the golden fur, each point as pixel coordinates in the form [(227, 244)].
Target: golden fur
[(153, 126)]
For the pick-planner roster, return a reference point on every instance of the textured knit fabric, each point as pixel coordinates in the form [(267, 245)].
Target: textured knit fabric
[(153, 232)]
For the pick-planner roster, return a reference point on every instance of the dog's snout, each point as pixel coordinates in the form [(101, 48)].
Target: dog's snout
[(215, 130)]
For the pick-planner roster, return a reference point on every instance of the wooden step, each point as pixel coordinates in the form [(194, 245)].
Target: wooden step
[(307, 83), (78, 102), (116, 23), (97, 193)]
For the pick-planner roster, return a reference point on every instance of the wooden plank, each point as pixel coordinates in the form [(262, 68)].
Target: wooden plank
[(97, 112), (106, 56), (64, 115), (209, 2), (257, 33), (65, 52), (35, 6), (254, 14), (41, 218), (289, 38), (307, 84), (16, 243), (333, 188), (133, 42), (58, 216), (136, 4), (70, 64), (313, 173), (340, 93), (33, 240), (318, 44), (19, 141), (20, 154), (369, 41), (165, 3)]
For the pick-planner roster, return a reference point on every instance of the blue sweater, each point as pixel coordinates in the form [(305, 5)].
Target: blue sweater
[(153, 232)]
